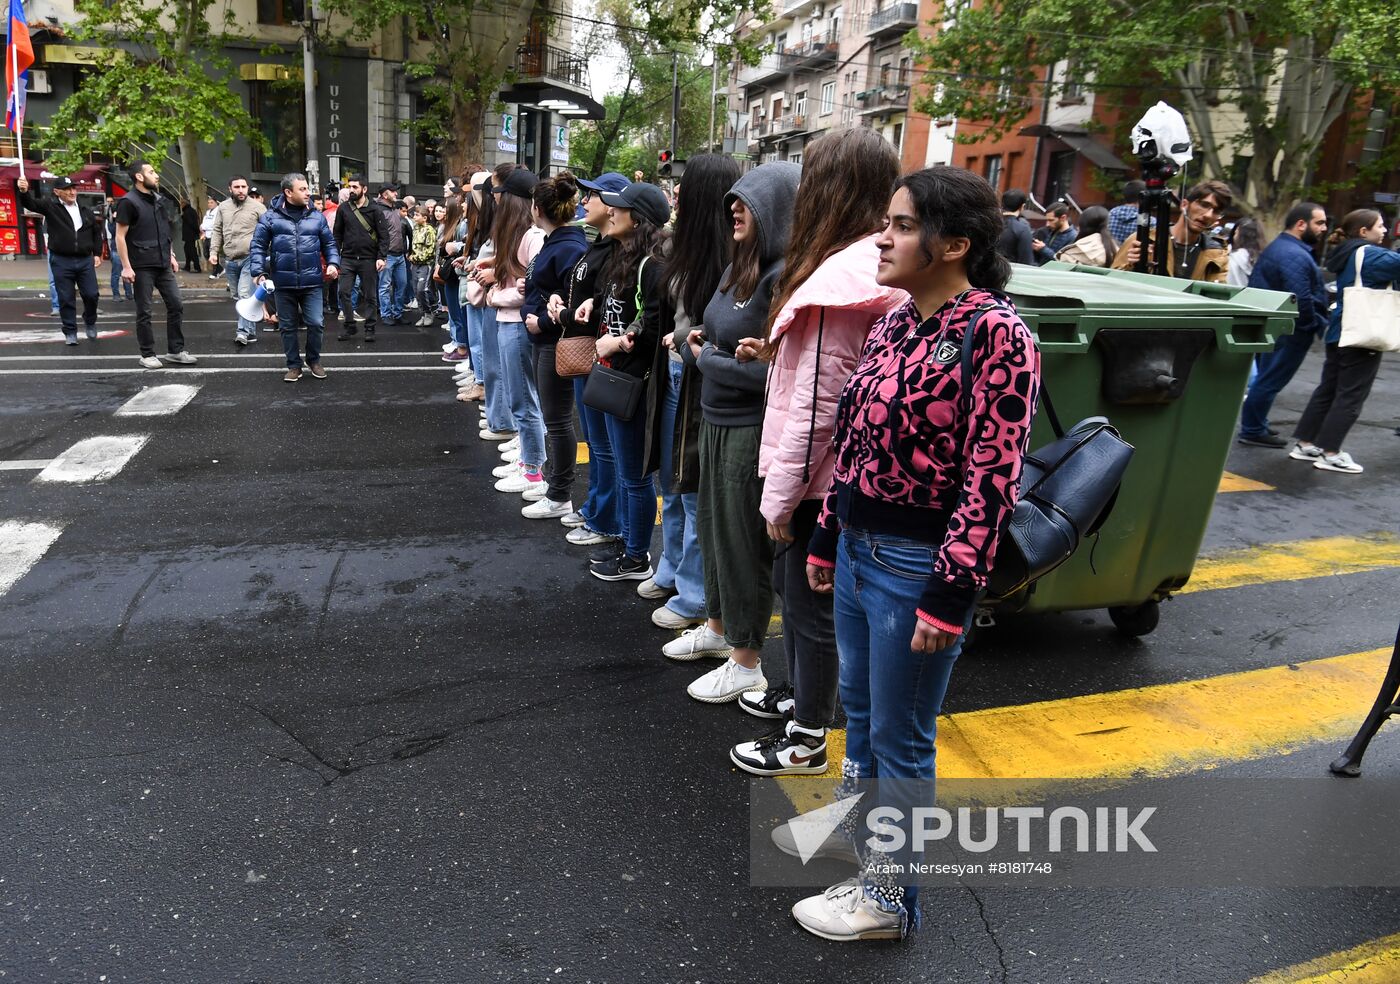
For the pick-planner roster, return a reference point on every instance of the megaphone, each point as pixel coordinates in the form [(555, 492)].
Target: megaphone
[(251, 307)]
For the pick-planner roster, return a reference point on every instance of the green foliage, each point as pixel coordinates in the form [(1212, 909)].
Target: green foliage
[(167, 82), (1285, 70)]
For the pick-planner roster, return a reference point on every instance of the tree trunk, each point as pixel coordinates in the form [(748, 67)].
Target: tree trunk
[(467, 145), (194, 173)]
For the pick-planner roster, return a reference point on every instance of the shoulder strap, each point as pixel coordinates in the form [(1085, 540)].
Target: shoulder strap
[(355, 211), (1360, 251), (640, 267), (965, 397)]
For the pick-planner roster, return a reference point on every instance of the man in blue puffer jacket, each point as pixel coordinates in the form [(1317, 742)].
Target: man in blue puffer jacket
[(290, 242)]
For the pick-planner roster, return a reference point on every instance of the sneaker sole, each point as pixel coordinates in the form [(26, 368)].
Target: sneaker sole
[(681, 622), (546, 516), (847, 855), (592, 541), (726, 698), (761, 714), (870, 934), (794, 770), (572, 526), (657, 594), (1301, 456), (638, 576), (1323, 466), (702, 654), (1247, 442)]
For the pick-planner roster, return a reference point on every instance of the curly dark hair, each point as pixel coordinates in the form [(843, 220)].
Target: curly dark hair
[(953, 202)]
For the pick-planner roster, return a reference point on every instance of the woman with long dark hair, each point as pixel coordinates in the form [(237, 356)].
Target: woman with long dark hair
[(699, 248), (517, 240), (631, 312), (920, 493), (734, 543), (825, 303), (1094, 247), (463, 248), (1246, 243), (497, 424), (1347, 373)]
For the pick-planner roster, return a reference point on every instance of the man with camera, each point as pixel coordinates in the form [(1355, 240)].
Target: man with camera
[(1193, 253)]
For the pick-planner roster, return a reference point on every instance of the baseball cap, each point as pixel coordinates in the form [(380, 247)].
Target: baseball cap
[(519, 182), (610, 181), (387, 186), (646, 199), (62, 183)]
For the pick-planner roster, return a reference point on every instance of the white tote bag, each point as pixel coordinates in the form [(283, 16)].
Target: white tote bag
[(1370, 316)]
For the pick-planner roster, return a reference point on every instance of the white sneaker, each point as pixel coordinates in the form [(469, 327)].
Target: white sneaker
[(179, 358), (487, 434), (450, 346), (536, 490), (697, 642), (512, 455), (150, 362), (844, 912), (1339, 462), (582, 536), (664, 618), (836, 847), (1305, 452), (652, 591), (506, 470), (516, 483), (547, 509), (574, 520), (726, 682), (513, 444)]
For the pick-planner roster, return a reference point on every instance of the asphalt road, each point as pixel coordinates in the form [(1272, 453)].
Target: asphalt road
[(296, 697)]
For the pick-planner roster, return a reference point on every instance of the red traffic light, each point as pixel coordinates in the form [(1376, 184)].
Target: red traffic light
[(664, 157)]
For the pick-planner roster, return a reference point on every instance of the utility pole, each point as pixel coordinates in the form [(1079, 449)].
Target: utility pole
[(675, 102), (308, 78), (714, 94)]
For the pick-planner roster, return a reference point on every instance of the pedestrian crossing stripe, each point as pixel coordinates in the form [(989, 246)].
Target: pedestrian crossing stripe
[(1375, 962), (1295, 561), (1230, 482)]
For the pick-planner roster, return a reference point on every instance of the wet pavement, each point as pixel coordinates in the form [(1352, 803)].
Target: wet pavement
[(295, 696)]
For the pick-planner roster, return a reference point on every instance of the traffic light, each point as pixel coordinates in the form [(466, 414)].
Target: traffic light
[(664, 159)]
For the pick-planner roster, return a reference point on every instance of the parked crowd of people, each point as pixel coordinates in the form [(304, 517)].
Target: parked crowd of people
[(1212, 240)]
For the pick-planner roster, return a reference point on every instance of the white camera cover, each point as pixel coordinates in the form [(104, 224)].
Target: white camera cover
[(1168, 128)]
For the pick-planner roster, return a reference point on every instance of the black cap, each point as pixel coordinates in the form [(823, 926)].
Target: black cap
[(646, 199), (388, 186), (520, 183), (62, 183)]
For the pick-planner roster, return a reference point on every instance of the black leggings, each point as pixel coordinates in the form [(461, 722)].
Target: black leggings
[(557, 406)]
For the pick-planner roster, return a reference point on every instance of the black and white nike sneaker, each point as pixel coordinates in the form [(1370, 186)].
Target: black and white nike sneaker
[(775, 703), (792, 751)]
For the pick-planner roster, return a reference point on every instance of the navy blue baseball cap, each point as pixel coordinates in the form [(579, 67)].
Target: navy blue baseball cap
[(610, 181), (647, 199)]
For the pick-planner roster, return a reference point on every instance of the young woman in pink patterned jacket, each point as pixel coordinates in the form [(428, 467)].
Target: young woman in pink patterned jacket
[(920, 492), (823, 308)]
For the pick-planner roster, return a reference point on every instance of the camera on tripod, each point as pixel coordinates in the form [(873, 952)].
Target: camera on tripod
[(1162, 144)]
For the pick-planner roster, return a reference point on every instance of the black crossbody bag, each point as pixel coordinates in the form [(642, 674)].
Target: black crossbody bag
[(1068, 488), (614, 392)]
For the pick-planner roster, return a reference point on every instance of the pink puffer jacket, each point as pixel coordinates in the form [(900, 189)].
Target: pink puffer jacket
[(819, 333)]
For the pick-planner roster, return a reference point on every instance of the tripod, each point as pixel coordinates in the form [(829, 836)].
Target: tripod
[(1387, 703), (1155, 212)]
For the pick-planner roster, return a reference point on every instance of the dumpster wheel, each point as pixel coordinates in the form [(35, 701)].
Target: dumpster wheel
[(1136, 620)]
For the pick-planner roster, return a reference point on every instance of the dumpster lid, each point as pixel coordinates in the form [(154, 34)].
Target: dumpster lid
[(1069, 288)]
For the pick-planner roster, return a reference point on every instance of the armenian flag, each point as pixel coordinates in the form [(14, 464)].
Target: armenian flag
[(19, 55)]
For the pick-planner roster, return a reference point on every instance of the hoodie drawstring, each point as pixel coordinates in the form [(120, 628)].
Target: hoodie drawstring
[(816, 384)]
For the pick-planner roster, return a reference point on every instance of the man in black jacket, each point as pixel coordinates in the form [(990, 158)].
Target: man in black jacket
[(75, 251), (362, 234), (148, 261)]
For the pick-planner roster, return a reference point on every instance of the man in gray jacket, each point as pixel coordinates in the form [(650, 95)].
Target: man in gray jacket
[(231, 239)]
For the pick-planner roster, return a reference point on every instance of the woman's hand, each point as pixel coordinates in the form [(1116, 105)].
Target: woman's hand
[(532, 324), (607, 346), (696, 341), (749, 350), (822, 580), (929, 638), (555, 307), (627, 341), (780, 532), (584, 312), (669, 342)]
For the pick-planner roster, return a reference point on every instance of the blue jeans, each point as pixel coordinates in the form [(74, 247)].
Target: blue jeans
[(892, 695), (603, 507), (456, 317), (518, 367), (1276, 368), (393, 282), (240, 284), (117, 285), (628, 440), (497, 383), (298, 309), (474, 319), (53, 287), (680, 566)]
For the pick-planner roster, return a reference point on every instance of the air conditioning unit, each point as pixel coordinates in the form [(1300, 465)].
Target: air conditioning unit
[(39, 80)]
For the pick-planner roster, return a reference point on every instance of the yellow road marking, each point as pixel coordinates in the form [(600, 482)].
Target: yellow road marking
[(1230, 482), (1166, 729), (582, 453), (1376, 962), (1295, 561)]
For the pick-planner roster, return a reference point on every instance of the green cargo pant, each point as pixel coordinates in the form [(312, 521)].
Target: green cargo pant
[(734, 544)]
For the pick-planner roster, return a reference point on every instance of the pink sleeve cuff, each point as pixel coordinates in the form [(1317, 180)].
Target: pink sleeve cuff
[(819, 562), (936, 623)]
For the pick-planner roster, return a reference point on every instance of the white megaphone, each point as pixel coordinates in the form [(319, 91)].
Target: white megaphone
[(251, 307)]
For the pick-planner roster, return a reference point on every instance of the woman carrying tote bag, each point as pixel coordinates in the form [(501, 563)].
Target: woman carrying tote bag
[(1347, 373)]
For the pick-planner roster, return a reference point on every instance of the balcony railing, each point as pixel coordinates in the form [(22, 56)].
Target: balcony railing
[(896, 17), (790, 123), (810, 53), (883, 98), (544, 61)]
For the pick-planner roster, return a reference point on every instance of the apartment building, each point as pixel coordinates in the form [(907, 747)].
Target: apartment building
[(834, 65)]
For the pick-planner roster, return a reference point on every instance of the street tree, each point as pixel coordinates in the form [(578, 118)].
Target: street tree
[(159, 80), (1259, 79)]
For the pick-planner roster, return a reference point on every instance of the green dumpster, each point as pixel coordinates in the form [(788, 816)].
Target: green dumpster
[(1166, 361)]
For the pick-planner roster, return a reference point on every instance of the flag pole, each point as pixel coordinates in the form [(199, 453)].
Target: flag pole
[(15, 97)]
